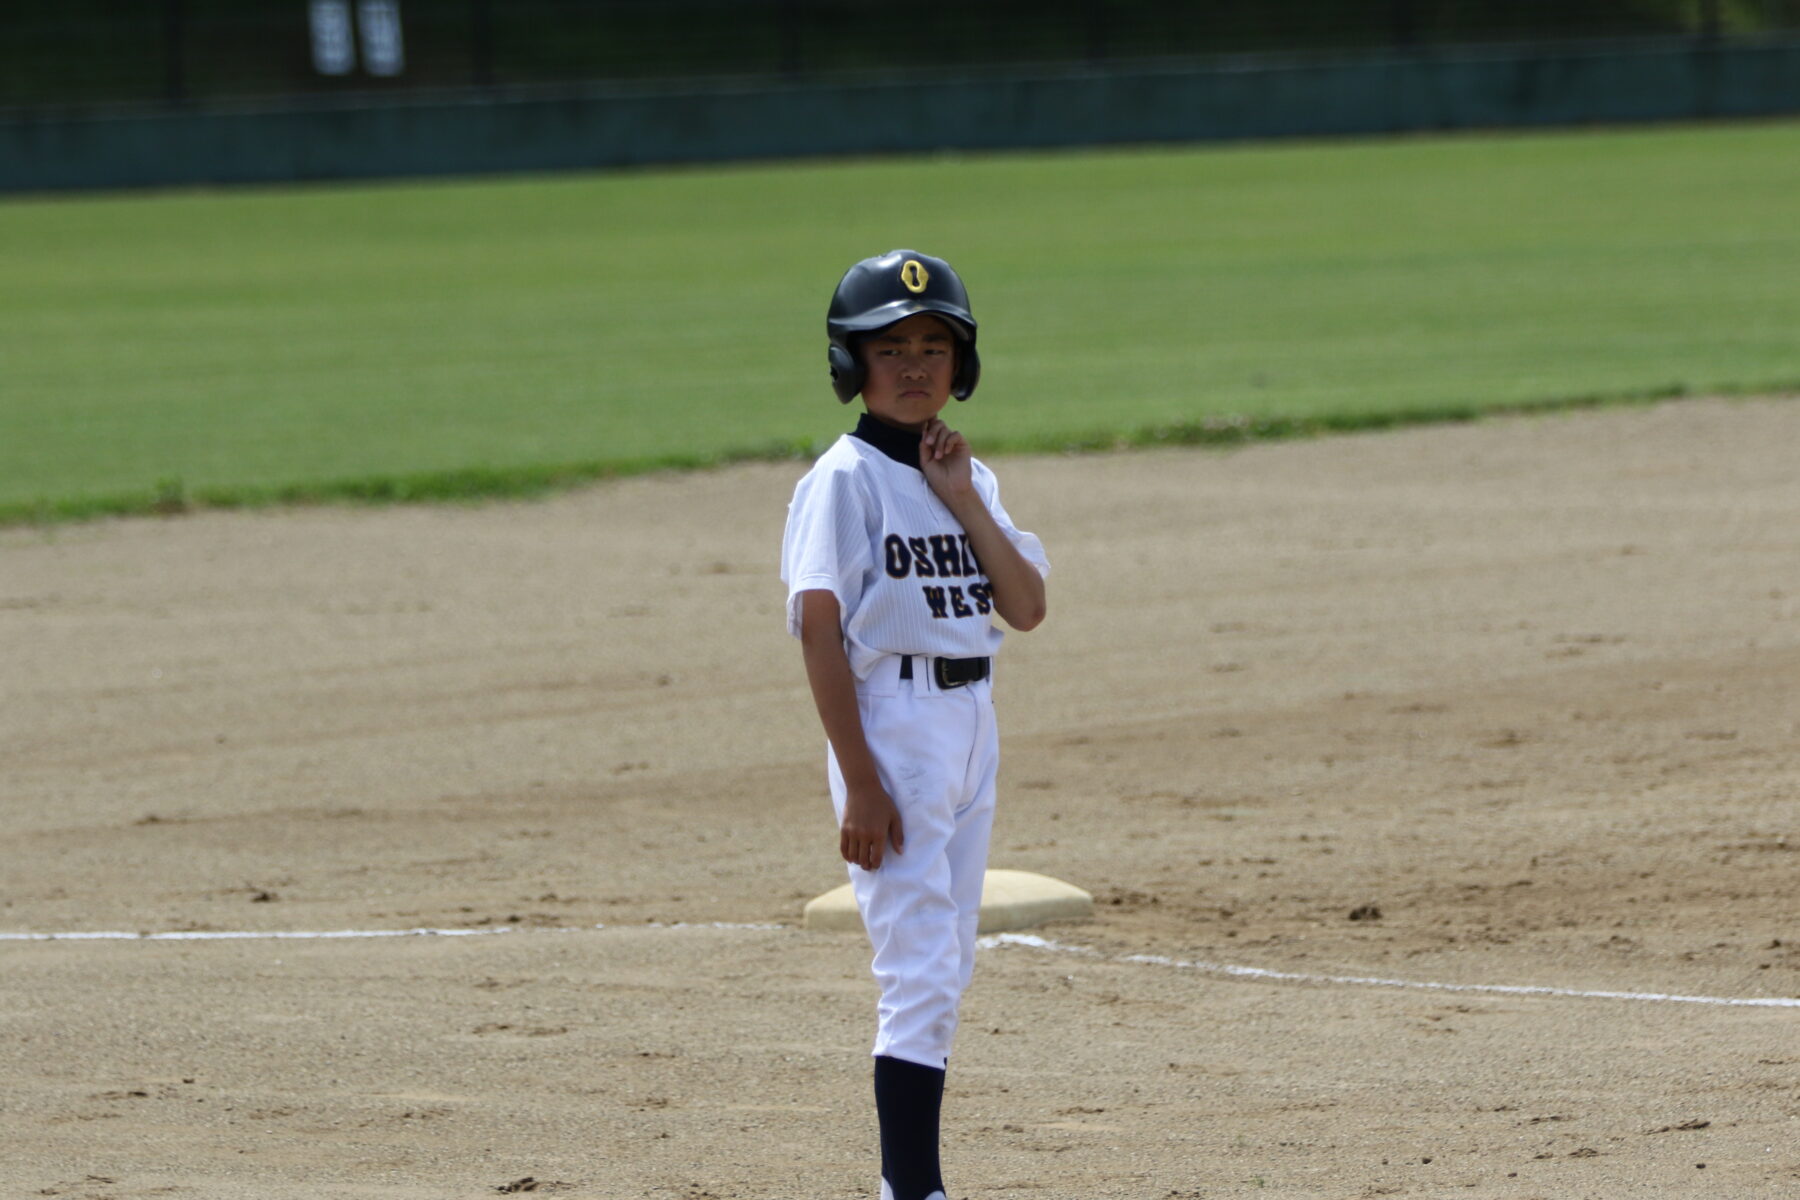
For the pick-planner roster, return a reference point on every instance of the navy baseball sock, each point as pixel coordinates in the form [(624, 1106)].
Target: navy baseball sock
[(908, 1098)]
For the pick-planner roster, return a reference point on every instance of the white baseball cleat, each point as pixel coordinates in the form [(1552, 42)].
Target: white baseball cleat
[(887, 1193)]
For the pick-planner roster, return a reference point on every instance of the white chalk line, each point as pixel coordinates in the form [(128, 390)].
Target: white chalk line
[(242, 935), (1032, 941), (1024, 940), (255, 935)]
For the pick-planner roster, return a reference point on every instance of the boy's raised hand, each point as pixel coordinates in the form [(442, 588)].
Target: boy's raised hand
[(944, 460)]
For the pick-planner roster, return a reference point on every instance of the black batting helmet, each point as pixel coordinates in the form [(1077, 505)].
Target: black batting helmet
[(877, 292)]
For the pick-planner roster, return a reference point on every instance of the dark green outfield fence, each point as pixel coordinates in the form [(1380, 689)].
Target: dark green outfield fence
[(576, 127)]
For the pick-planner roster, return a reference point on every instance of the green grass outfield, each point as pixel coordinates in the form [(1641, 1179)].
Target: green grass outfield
[(430, 339)]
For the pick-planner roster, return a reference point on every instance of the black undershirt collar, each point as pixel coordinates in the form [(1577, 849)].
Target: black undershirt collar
[(901, 445)]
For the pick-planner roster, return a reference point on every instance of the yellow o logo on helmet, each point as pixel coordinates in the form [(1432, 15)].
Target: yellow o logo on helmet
[(914, 275)]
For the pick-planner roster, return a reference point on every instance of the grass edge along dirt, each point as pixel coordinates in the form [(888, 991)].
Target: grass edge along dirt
[(1341, 316), (171, 497)]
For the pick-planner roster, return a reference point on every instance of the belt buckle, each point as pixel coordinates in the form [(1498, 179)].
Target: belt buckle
[(941, 669)]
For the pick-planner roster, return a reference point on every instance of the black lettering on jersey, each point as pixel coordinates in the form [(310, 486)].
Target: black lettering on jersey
[(921, 558), (957, 604), (946, 555), (971, 564), (983, 596), (899, 558), (934, 596)]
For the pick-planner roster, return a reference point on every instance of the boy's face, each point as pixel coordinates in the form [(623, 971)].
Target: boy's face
[(910, 365)]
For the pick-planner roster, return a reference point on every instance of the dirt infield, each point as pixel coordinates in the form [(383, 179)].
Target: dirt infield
[(1509, 704)]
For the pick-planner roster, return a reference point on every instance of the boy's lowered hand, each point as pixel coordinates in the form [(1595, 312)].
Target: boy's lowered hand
[(871, 820)]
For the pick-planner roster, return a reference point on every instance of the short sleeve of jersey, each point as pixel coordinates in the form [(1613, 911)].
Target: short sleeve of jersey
[(1028, 544), (826, 546)]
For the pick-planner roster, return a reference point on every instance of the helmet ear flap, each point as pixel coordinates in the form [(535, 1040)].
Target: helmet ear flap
[(968, 371), (846, 373)]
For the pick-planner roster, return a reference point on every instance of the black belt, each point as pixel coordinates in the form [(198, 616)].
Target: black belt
[(950, 672)]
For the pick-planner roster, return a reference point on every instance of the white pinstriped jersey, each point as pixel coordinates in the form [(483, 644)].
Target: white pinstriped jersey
[(871, 531)]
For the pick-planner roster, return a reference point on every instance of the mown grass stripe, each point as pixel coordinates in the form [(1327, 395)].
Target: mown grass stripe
[(479, 485)]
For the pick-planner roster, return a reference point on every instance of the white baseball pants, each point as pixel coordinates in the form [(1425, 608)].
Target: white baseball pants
[(937, 753)]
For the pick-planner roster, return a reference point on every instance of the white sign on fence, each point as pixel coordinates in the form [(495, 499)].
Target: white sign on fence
[(384, 51), (333, 41)]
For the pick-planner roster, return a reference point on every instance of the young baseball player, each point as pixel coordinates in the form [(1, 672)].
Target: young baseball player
[(897, 556)]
